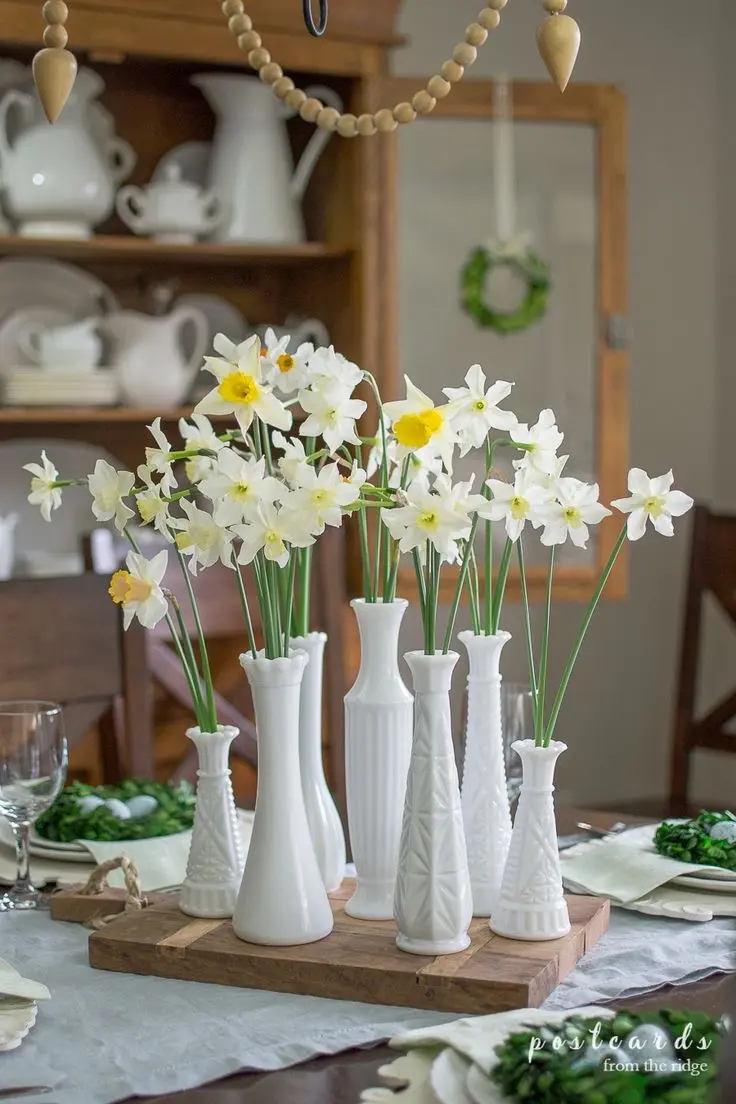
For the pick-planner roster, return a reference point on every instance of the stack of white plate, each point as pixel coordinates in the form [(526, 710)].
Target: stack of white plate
[(52, 387)]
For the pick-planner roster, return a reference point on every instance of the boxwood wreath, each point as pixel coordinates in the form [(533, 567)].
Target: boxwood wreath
[(528, 266), (692, 842)]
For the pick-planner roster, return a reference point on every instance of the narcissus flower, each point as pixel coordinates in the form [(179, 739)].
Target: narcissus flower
[(651, 499), (515, 503), (287, 372), (332, 414), (418, 425), (200, 435), (201, 538), (321, 498), (272, 531), (241, 390), (138, 590), (159, 459), (108, 488), (541, 442), (44, 492), (427, 516), (575, 508), (475, 410), (237, 485)]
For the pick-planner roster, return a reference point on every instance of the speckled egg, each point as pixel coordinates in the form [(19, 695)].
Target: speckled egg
[(724, 830), (88, 804), (142, 805), (118, 808)]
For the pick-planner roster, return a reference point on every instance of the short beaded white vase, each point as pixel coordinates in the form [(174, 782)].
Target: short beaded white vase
[(484, 794), (531, 904), (324, 820), (433, 905), (215, 864)]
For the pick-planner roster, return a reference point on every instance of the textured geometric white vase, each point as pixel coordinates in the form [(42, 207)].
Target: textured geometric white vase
[(325, 825), (378, 734), (433, 904), (282, 899), (215, 863), (531, 904), (484, 796)]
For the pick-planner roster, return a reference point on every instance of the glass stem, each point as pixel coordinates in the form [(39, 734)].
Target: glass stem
[(23, 873)]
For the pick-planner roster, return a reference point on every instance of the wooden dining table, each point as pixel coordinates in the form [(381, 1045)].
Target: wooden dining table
[(340, 1078)]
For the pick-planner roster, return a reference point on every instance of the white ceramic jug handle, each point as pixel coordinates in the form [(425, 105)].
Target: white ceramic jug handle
[(316, 144), (130, 206), (11, 97), (212, 209), (28, 343), (121, 159), (181, 316)]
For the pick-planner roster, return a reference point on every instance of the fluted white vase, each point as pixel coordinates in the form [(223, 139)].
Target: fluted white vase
[(378, 735), (282, 899), (325, 825), (215, 863), (531, 904), (484, 794), (433, 904)]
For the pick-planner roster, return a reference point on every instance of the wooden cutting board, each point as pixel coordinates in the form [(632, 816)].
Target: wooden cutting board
[(359, 961)]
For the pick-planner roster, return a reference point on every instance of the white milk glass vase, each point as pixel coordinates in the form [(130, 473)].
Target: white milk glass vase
[(531, 904), (484, 793), (282, 899), (215, 864), (325, 825), (433, 904), (378, 735)]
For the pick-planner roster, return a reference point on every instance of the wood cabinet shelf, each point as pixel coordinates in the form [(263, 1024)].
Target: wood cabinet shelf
[(131, 250), (70, 415)]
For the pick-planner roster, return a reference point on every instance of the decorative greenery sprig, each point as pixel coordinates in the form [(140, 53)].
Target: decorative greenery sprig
[(65, 822), (691, 841), (533, 306)]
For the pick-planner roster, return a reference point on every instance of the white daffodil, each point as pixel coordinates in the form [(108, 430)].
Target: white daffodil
[(326, 367), (159, 459), (420, 426), (44, 492), (475, 411), (138, 590), (541, 443), (515, 503), (230, 351), (242, 391), (320, 499), (201, 435), (108, 488), (286, 371), (356, 478), (294, 458), (652, 499), (575, 508), (152, 504), (332, 414), (427, 517), (237, 485), (201, 538), (458, 497), (273, 531)]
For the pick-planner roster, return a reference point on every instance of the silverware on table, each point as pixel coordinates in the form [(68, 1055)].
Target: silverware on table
[(24, 1090), (601, 833)]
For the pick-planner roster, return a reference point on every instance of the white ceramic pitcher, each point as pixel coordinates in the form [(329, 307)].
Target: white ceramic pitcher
[(251, 167), (148, 354)]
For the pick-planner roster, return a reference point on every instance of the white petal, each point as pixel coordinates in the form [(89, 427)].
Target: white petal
[(213, 403), (661, 483), (636, 524), (594, 514), (678, 503), (224, 346), (153, 610), (625, 505), (639, 482), (579, 535), (663, 525), (555, 532)]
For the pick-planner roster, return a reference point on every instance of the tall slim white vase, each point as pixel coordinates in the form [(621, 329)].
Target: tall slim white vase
[(378, 735), (325, 825), (484, 795), (433, 904), (215, 863), (531, 904), (282, 899)]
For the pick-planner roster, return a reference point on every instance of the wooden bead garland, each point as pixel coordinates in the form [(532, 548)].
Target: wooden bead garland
[(54, 67)]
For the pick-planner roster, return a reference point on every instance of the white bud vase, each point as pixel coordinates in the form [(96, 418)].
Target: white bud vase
[(433, 905), (484, 794), (282, 899), (325, 825), (531, 904), (215, 863), (378, 733)]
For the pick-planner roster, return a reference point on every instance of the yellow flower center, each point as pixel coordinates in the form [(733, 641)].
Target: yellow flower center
[(238, 387), (572, 516), (519, 507), (318, 497), (416, 430), (428, 521), (240, 491), (118, 588), (38, 484), (285, 362), (479, 404), (184, 540), (125, 588), (264, 351), (654, 505), (149, 506)]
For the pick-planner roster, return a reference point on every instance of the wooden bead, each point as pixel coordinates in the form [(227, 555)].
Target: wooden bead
[(558, 41), (452, 72), (231, 7), (55, 36), (251, 40), (554, 7), (366, 125), (475, 35), (54, 72), (495, 5), (310, 109), (328, 118), (258, 58), (385, 121), (347, 125), (464, 54), (404, 113), (55, 11), (423, 103), (270, 73), (240, 24), (295, 98), (282, 87), (489, 19), (438, 87)]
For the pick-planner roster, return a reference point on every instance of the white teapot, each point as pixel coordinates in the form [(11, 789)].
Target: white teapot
[(76, 346), (171, 209), (148, 353), (7, 544)]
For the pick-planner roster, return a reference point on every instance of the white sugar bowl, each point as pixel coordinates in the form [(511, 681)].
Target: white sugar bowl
[(171, 209)]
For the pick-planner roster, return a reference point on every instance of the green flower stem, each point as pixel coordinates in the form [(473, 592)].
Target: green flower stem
[(559, 696), (244, 606), (390, 594), (266, 438), (503, 574), (488, 538), (474, 592), (290, 602), (187, 649), (377, 556), (527, 627), (429, 608), (421, 584), (272, 587), (365, 553), (542, 686), (383, 537), (257, 443), (304, 590), (205, 660), (461, 581), (68, 483)]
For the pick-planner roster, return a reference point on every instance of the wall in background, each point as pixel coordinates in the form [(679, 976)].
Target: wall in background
[(618, 715)]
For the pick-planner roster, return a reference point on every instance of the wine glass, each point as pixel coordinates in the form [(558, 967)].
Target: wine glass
[(518, 724), (33, 760)]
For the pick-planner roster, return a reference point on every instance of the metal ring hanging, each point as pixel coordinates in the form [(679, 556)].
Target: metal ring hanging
[(312, 27)]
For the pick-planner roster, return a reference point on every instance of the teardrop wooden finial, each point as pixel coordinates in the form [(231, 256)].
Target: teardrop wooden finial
[(54, 72), (558, 41)]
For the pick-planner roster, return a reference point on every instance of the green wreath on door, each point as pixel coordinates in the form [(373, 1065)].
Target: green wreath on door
[(531, 268)]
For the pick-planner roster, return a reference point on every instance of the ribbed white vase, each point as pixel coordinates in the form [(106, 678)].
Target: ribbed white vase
[(531, 904), (325, 825), (215, 863), (282, 899), (378, 735), (484, 795), (433, 904)]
